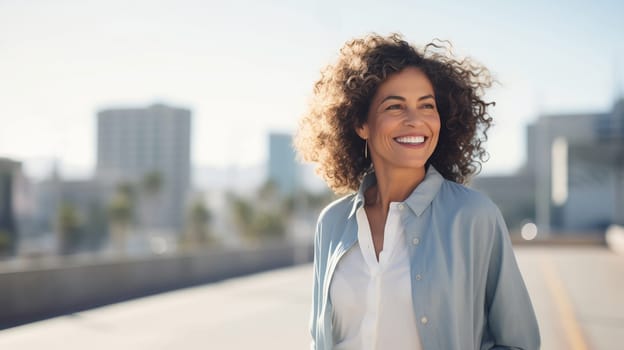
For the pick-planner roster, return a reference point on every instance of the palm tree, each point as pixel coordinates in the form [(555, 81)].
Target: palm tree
[(5, 242), (259, 218), (68, 227), (120, 213), (151, 186), (198, 220), (243, 214)]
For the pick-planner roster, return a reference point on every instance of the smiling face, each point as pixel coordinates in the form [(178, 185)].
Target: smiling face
[(403, 124)]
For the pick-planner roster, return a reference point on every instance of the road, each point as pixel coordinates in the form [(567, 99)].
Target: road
[(577, 293)]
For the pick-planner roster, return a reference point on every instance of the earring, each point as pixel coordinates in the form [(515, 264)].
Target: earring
[(366, 149)]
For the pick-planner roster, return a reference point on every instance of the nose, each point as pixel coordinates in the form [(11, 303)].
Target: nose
[(412, 117)]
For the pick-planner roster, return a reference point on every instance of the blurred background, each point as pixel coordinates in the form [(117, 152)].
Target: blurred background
[(145, 147)]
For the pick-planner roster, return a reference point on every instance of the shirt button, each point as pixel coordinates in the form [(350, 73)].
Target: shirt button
[(401, 206), (418, 277), (416, 241), (424, 320)]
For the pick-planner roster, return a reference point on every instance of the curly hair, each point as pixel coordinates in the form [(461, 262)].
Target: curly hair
[(343, 94)]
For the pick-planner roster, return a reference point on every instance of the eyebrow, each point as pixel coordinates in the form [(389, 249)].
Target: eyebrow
[(395, 97)]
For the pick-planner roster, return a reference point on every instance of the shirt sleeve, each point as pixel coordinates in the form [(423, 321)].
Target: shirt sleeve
[(510, 317), (316, 295)]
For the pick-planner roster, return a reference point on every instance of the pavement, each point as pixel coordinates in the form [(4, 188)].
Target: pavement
[(577, 293)]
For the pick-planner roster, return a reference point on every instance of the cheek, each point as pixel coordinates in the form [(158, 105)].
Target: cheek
[(435, 125), (378, 129), (385, 129)]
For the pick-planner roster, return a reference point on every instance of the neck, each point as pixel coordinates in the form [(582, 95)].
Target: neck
[(393, 186)]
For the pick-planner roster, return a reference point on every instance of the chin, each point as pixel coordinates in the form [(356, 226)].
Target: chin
[(412, 165)]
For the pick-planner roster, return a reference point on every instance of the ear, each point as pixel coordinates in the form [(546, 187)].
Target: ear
[(363, 131)]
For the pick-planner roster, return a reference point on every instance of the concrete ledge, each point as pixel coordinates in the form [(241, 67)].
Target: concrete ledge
[(69, 285), (588, 239), (560, 242)]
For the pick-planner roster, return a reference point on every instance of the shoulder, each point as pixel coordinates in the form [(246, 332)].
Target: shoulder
[(331, 222), (468, 202), (337, 210), (473, 214)]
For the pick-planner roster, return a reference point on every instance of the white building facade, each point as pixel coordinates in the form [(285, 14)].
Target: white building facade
[(134, 142)]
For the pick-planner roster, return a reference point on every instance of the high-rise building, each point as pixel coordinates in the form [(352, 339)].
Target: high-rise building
[(135, 142), (579, 169), (282, 163), (574, 174)]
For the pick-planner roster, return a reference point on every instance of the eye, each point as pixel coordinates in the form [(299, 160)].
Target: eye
[(428, 106), (394, 106)]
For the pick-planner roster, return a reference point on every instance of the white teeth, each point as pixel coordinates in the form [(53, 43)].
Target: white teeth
[(411, 139)]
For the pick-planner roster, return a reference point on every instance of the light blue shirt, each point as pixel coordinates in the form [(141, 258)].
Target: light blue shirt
[(469, 294)]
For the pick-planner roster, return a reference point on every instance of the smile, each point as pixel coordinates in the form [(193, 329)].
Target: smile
[(410, 140)]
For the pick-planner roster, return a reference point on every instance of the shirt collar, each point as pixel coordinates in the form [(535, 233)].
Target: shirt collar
[(417, 201)]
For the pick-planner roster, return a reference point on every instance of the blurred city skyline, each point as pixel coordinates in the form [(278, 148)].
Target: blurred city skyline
[(246, 69)]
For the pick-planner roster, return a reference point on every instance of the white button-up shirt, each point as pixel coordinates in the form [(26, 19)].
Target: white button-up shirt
[(373, 299)]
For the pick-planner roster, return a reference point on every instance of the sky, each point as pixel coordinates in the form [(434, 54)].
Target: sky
[(247, 67)]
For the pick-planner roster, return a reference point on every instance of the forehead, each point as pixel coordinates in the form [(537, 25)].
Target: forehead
[(409, 82)]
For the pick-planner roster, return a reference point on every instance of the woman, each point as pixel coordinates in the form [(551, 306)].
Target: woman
[(412, 259)]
